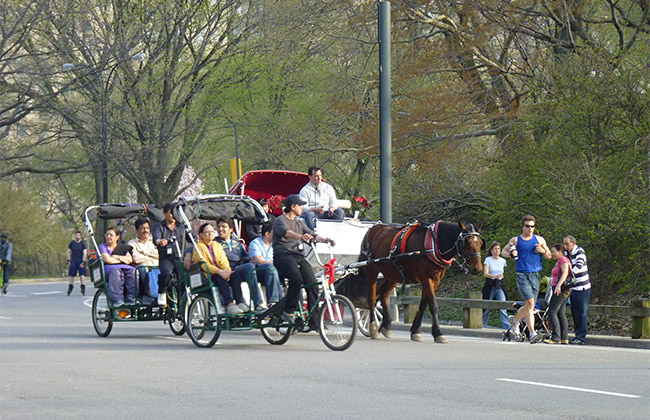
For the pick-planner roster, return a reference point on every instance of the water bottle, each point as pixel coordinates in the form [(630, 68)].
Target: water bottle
[(513, 252)]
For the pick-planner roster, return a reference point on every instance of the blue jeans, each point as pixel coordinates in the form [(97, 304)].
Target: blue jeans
[(580, 312), (310, 217), (497, 294), (242, 273), (268, 275)]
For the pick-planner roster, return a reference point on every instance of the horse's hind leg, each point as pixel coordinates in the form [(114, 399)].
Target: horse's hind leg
[(384, 298), (371, 278), (417, 321)]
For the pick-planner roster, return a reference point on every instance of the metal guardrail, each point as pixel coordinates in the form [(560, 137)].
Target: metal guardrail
[(473, 307)]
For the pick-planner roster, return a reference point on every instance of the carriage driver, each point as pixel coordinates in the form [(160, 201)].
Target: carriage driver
[(288, 232)]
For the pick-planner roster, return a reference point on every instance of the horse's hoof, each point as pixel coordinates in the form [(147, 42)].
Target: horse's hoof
[(374, 334), (416, 337), (386, 332), (441, 339)]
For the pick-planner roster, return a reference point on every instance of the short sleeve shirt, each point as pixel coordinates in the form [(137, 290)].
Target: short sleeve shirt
[(77, 250), (283, 245)]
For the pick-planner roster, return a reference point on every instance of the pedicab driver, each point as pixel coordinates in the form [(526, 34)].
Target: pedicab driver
[(288, 232)]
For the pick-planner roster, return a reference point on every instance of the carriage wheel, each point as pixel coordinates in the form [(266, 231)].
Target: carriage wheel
[(363, 315), (177, 323), (276, 333), (102, 320), (338, 326), (202, 322)]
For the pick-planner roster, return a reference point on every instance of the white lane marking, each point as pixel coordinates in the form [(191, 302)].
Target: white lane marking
[(4, 317), (47, 293), (570, 388), (88, 302), (172, 338)]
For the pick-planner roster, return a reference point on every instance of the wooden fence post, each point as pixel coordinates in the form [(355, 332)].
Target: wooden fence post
[(473, 317), (641, 324), (411, 310)]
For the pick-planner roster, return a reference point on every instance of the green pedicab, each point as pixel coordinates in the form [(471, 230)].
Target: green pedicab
[(207, 316), (104, 313)]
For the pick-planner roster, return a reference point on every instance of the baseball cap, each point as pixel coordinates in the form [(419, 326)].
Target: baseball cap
[(4, 235), (294, 199)]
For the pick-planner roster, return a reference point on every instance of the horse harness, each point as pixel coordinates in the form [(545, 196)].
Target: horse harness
[(435, 254)]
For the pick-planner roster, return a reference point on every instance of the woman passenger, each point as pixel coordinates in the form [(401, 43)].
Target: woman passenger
[(119, 272), (219, 269), (557, 306)]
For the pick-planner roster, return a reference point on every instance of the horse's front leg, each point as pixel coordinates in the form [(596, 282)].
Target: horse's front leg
[(417, 321), (438, 336)]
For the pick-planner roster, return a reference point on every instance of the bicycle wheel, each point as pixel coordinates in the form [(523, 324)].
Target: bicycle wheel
[(363, 315), (338, 326), (202, 322), (179, 315), (276, 333), (101, 314)]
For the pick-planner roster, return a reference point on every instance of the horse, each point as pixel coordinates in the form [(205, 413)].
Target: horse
[(415, 254)]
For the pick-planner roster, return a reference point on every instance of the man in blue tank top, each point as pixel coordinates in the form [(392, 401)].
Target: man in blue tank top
[(527, 250)]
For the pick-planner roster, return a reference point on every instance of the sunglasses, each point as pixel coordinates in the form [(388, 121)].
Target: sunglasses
[(530, 226)]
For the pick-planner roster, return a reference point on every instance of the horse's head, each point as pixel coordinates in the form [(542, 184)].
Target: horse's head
[(469, 246)]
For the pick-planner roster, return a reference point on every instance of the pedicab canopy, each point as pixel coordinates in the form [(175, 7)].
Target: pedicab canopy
[(124, 211), (213, 207)]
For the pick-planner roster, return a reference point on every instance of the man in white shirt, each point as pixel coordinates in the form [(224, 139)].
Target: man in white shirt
[(261, 253), (320, 198), (145, 256)]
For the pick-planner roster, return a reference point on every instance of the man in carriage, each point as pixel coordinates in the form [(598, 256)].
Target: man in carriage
[(319, 198)]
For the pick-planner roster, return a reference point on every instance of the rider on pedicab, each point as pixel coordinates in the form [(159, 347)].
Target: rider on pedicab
[(289, 233)]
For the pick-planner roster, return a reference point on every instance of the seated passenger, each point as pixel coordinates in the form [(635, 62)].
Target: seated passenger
[(145, 256), (239, 261), (320, 199), (219, 269), (261, 253), (118, 269)]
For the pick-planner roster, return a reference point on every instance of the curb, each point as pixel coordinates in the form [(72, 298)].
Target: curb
[(495, 334)]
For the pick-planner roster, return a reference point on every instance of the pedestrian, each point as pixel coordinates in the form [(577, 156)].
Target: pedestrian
[(557, 305), (527, 250), (494, 288), (320, 199), (581, 292), (77, 254), (6, 249)]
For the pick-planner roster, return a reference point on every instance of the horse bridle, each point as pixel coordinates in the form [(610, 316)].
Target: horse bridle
[(459, 247)]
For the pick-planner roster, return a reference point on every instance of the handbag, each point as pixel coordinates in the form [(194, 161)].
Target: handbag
[(570, 281)]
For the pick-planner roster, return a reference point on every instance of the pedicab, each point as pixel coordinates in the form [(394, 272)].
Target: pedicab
[(104, 311), (207, 315)]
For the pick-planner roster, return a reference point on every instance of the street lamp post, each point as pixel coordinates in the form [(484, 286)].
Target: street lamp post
[(104, 85)]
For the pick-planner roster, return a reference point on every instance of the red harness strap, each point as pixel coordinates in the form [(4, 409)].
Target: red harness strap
[(432, 250), (402, 236)]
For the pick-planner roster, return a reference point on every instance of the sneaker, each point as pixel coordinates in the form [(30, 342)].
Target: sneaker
[(577, 341), (551, 341), (514, 326), (234, 310), (129, 301), (243, 307), (118, 303), (260, 308), (83, 289), (70, 287), (288, 317), (162, 299), (564, 341), (4, 290), (535, 337)]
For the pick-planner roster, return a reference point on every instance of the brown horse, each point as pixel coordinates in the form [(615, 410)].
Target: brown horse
[(423, 256)]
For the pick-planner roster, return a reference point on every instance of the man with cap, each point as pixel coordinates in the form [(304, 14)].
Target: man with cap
[(288, 232), (320, 199), (5, 260)]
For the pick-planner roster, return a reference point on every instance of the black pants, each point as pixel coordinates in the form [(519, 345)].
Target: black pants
[(297, 270), (557, 316), (168, 266)]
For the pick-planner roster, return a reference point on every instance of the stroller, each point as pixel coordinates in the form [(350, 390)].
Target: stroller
[(540, 315)]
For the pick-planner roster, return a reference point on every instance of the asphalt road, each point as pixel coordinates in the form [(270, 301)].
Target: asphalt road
[(54, 366)]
